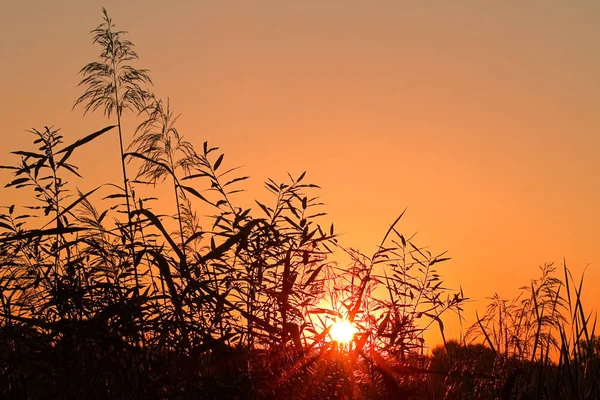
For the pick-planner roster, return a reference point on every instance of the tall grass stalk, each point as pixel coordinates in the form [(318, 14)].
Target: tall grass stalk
[(113, 85)]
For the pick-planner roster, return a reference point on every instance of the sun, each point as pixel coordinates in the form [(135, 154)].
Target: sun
[(342, 331)]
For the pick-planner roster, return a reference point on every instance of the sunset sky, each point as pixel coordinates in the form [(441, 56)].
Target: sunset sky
[(481, 117)]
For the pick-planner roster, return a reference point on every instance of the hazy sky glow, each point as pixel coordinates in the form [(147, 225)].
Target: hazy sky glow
[(483, 117)]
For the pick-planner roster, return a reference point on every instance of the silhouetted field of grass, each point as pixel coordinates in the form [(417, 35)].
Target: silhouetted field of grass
[(103, 296)]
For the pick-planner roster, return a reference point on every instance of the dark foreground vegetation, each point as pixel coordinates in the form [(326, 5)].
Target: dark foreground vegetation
[(104, 296)]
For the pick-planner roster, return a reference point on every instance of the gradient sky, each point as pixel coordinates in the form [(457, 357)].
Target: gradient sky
[(482, 117)]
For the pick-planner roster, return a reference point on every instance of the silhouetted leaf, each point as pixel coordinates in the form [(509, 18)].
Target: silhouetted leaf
[(29, 154), (218, 251), (243, 178), (150, 160), (437, 260), (156, 222), (17, 181), (218, 162), (264, 208), (41, 232), (114, 196), (314, 274), (69, 149), (198, 175), (383, 325), (195, 193)]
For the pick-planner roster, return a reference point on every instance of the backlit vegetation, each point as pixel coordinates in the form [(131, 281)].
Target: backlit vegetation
[(105, 296)]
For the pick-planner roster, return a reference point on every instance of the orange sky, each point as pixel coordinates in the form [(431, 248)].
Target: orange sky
[(481, 116)]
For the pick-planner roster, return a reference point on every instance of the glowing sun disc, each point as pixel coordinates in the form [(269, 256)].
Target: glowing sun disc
[(342, 331)]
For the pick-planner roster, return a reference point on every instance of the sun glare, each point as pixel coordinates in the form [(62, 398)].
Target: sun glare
[(342, 331)]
